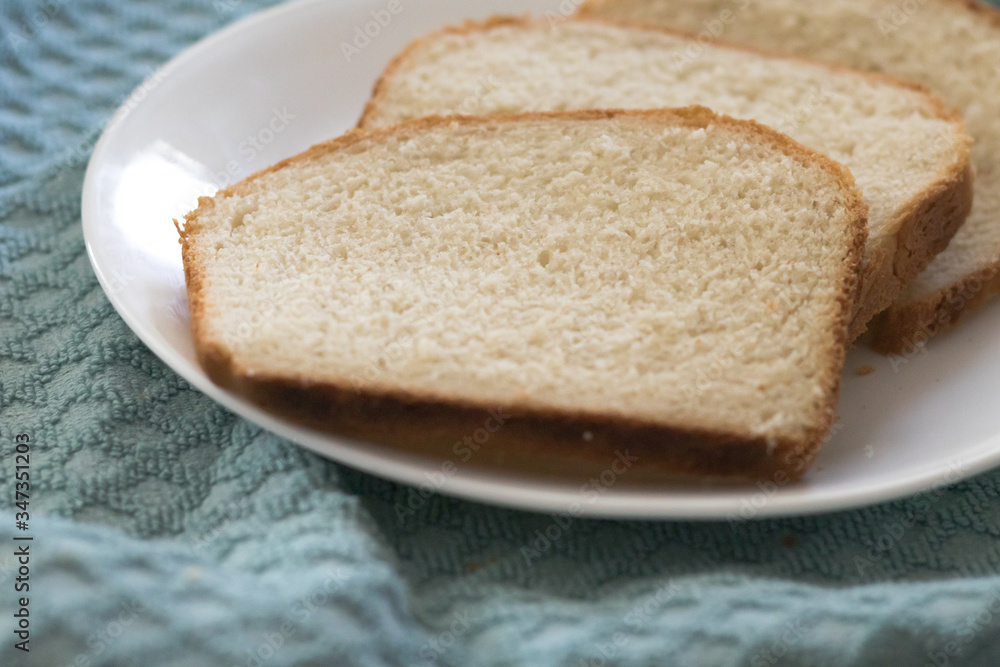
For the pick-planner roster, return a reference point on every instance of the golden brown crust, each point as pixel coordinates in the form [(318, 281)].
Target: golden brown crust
[(470, 26), (694, 116), (905, 325), (927, 227), (530, 439), (395, 416), (590, 8), (932, 216), (990, 13), (900, 330), (940, 108)]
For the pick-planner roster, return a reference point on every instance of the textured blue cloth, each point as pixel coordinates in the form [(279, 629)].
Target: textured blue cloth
[(169, 532)]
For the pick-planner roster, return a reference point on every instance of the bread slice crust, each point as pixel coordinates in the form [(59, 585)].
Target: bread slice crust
[(906, 326), (903, 330), (909, 323), (427, 422), (923, 229)]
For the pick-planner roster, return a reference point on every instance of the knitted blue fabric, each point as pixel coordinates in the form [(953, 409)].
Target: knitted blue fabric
[(169, 532)]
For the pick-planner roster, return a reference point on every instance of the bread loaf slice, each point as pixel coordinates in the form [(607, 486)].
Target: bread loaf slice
[(951, 46), (908, 152), (671, 283)]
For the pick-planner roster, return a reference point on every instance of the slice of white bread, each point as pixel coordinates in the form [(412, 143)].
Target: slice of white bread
[(908, 152), (672, 283), (951, 46)]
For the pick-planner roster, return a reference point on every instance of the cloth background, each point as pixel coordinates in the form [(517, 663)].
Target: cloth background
[(167, 531)]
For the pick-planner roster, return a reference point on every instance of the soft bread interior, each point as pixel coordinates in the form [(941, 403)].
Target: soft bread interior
[(671, 269), (900, 144), (951, 46)]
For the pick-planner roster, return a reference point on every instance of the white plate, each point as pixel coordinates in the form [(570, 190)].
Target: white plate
[(273, 84)]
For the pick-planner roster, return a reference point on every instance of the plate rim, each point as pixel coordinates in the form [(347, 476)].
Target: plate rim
[(500, 489)]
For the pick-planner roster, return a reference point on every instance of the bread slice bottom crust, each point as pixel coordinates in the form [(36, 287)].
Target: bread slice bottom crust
[(903, 329), (536, 437), (527, 440)]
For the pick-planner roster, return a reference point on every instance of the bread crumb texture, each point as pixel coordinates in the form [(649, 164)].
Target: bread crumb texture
[(634, 266), (894, 140), (951, 46)]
